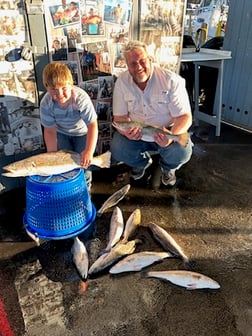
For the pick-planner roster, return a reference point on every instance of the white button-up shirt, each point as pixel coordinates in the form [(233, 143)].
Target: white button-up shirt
[(164, 98)]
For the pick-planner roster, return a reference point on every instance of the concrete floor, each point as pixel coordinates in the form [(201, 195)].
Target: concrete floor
[(208, 213)]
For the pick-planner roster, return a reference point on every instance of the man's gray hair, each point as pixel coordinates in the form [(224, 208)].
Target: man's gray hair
[(131, 45)]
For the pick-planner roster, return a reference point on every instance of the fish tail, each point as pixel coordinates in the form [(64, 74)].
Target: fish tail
[(106, 250), (103, 160), (189, 263), (124, 240), (145, 274), (99, 212), (183, 139)]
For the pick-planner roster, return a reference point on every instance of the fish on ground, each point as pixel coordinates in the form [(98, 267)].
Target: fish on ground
[(189, 280), (168, 242), (115, 198), (116, 253), (80, 257), (52, 163), (131, 224), (149, 131), (116, 228), (137, 261)]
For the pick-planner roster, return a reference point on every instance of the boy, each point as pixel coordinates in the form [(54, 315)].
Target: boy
[(68, 116)]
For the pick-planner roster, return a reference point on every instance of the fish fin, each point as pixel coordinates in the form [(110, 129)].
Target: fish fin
[(103, 160), (191, 286), (139, 241), (189, 263), (11, 174)]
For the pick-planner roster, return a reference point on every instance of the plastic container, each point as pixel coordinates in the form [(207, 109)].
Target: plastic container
[(58, 206)]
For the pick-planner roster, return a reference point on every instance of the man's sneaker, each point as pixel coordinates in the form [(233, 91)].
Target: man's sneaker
[(138, 172), (169, 178)]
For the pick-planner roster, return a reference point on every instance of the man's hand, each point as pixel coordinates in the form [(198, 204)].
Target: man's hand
[(133, 133), (162, 140)]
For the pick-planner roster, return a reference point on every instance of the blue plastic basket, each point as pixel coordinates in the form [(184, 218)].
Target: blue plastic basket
[(59, 206)]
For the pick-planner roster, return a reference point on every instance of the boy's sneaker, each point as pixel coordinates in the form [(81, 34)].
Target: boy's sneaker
[(169, 178), (138, 172)]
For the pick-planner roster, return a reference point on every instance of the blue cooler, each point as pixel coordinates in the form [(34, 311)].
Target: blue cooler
[(58, 206)]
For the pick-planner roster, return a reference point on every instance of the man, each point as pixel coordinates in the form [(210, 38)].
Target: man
[(151, 95)]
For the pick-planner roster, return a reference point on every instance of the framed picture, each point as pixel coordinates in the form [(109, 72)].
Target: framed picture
[(105, 87), (104, 110), (117, 12), (91, 87), (65, 13), (92, 18), (74, 68), (59, 48)]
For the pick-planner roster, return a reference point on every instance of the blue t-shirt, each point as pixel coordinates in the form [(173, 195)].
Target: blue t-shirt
[(72, 119)]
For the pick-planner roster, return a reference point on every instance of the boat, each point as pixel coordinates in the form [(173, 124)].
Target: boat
[(206, 19)]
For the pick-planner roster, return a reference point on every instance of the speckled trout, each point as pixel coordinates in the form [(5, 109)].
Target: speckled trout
[(52, 163), (137, 261), (80, 257), (116, 253), (115, 198), (149, 131), (187, 279), (116, 228), (131, 225), (168, 242)]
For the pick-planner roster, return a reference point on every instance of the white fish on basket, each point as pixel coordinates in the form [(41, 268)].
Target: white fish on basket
[(137, 261), (115, 198), (80, 257), (116, 228), (52, 163), (187, 279)]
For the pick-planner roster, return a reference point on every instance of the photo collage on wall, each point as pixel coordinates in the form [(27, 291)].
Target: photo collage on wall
[(20, 128), (161, 28), (88, 36)]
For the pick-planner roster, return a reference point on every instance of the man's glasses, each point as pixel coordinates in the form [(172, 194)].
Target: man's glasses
[(142, 62)]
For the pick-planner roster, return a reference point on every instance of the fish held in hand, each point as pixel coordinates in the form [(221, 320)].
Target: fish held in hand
[(168, 242), (137, 261), (189, 280), (80, 257), (149, 131), (116, 228), (115, 198), (52, 163)]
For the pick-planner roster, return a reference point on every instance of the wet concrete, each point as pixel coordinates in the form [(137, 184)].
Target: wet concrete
[(208, 213)]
